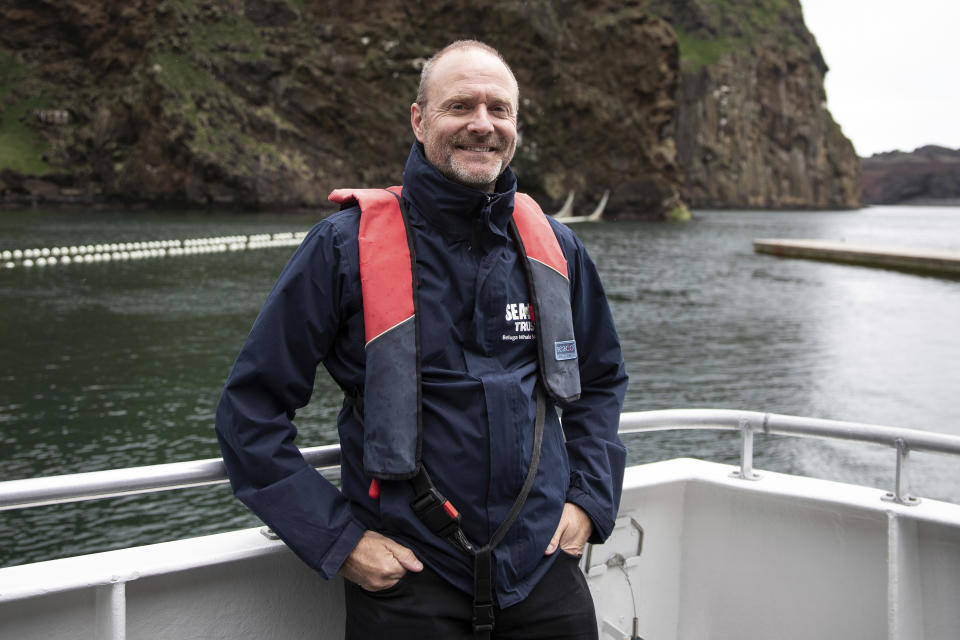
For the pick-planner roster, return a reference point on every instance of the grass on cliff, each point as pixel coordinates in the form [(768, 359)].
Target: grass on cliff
[(212, 31), (739, 25), (697, 53), (21, 148), (231, 33), (774, 21), (212, 117)]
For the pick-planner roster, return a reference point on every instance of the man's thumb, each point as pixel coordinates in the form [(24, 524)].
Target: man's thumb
[(554, 543), (407, 559)]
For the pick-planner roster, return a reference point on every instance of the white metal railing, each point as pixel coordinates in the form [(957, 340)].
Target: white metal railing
[(76, 487), (32, 492), (903, 441)]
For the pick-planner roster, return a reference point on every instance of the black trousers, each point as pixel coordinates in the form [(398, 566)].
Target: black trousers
[(424, 606)]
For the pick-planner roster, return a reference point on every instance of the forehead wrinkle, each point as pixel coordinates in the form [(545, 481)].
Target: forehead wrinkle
[(472, 75), (489, 97)]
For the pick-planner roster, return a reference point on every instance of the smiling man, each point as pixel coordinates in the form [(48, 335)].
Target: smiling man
[(458, 319), (466, 115)]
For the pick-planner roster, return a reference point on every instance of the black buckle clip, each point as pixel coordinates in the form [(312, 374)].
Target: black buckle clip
[(483, 617), (429, 507)]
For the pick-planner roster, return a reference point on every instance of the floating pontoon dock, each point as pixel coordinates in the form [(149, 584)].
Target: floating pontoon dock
[(934, 262)]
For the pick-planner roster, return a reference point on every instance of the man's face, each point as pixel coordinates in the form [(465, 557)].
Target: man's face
[(468, 126)]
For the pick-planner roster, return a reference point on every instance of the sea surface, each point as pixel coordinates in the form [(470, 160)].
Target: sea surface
[(120, 364)]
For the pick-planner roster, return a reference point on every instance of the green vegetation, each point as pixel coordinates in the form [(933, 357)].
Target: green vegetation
[(178, 73), (211, 32), (230, 33), (617, 17), (739, 25), (216, 122), (11, 69), (757, 19), (213, 118), (703, 53), (679, 213), (766, 14), (21, 148)]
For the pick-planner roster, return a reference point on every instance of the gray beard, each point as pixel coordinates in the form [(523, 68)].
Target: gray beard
[(465, 176)]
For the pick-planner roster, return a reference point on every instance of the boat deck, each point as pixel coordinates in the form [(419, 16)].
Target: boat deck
[(700, 550), (704, 552)]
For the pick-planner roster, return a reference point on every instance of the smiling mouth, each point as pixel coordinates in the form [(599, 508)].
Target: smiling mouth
[(482, 145)]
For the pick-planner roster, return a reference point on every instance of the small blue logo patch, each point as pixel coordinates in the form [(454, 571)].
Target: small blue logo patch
[(566, 350)]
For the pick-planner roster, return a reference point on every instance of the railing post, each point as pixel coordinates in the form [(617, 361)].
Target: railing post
[(111, 618), (746, 453), (900, 493)]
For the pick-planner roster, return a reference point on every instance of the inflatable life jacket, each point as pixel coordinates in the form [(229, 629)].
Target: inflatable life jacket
[(391, 404)]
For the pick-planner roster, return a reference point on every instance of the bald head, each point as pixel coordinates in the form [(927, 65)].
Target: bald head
[(426, 73)]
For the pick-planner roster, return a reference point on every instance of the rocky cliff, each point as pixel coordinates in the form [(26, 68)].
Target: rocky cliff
[(928, 175), (752, 124), (272, 103)]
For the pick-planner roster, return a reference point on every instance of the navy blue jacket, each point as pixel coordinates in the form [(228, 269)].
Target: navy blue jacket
[(479, 363)]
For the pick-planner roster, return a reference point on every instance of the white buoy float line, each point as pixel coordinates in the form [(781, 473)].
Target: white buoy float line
[(121, 251)]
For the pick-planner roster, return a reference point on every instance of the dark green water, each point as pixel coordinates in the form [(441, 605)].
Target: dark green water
[(120, 364)]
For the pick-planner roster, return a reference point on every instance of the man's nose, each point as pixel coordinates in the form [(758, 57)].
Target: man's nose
[(480, 122)]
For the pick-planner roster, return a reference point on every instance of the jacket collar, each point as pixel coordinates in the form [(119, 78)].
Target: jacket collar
[(453, 208)]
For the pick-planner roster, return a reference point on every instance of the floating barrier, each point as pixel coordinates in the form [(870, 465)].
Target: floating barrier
[(123, 251)]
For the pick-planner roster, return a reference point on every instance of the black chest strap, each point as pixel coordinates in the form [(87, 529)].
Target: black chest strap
[(442, 518)]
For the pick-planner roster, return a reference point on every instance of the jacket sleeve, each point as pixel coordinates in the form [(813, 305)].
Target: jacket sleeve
[(596, 454), (272, 377)]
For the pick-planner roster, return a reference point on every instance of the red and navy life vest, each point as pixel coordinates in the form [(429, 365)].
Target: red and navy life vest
[(392, 406)]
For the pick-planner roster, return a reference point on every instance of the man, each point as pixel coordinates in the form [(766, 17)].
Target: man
[(478, 394)]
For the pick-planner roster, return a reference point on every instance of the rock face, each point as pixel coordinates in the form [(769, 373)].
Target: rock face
[(752, 125), (928, 175), (273, 103)]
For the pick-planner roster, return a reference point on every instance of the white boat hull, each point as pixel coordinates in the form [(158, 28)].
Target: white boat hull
[(783, 557)]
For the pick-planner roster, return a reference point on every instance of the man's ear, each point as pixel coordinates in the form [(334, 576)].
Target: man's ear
[(416, 121)]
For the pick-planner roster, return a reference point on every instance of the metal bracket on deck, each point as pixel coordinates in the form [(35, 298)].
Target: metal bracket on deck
[(746, 452), (900, 494), (620, 558), (268, 533), (587, 561)]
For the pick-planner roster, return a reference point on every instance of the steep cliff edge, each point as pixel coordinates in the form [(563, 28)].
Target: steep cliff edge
[(928, 175), (752, 125), (272, 103)]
